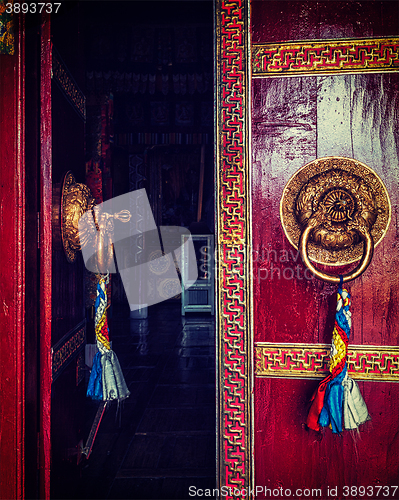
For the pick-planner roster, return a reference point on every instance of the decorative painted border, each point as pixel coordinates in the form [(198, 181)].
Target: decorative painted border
[(68, 348), (365, 362), (233, 281), (68, 86), (7, 38), (325, 57)]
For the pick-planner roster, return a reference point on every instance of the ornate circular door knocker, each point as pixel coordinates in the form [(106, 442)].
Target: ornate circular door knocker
[(335, 211)]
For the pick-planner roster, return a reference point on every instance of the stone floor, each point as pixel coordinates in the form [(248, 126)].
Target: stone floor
[(162, 439)]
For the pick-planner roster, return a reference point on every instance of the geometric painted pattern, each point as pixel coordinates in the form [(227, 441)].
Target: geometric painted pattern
[(67, 349), (325, 57), (233, 238), (68, 86), (365, 362)]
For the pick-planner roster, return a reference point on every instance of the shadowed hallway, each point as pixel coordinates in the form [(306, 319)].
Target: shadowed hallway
[(162, 441)]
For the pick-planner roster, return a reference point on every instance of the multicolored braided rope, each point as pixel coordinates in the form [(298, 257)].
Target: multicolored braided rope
[(106, 381), (100, 319), (337, 403)]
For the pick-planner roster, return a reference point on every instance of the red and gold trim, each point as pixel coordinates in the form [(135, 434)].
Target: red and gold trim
[(7, 37), (325, 57), (67, 85), (67, 349), (365, 362), (233, 233)]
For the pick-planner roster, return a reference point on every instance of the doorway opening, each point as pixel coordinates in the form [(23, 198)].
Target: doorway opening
[(148, 72)]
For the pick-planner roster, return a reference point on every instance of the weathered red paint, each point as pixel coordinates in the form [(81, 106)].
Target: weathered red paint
[(45, 238), (293, 309), (12, 291)]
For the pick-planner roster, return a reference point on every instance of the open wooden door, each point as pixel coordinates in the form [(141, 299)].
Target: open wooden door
[(62, 311), (345, 104), (282, 103)]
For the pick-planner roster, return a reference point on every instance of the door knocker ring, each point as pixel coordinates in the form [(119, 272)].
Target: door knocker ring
[(335, 210)]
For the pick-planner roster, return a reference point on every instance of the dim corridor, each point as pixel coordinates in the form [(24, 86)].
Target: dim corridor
[(162, 439)]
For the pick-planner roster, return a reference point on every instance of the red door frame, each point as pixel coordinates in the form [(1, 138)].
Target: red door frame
[(12, 270), (45, 239)]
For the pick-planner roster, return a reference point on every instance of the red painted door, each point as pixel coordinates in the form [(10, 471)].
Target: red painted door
[(61, 287), (296, 119)]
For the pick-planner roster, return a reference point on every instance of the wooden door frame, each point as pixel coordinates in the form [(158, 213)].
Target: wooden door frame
[(12, 272), (45, 266), (13, 290), (234, 342)]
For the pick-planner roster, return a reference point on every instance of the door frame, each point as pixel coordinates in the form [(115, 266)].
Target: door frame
[(234, 319), (45, 266), (12, 272)]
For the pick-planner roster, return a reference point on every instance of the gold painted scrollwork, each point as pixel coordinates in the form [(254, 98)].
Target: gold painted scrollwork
[(335, 211)]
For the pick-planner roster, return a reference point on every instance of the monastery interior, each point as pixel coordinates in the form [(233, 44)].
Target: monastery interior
[(146, 70)]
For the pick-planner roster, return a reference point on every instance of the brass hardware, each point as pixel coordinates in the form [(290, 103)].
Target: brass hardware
[(335, 211), (76, 199), (315, 224)]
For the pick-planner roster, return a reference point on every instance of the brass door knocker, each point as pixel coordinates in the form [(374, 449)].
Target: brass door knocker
[(335, 211), (76, 199)]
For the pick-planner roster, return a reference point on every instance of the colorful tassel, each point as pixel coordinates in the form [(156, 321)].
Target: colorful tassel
[(106, 381), (338, 403)]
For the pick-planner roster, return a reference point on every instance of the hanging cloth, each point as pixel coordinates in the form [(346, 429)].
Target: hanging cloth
[(106, 381), (337, 402)]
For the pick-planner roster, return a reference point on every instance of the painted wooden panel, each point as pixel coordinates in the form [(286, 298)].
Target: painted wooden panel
[(12, 271), (276, 21), (295, 120)]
